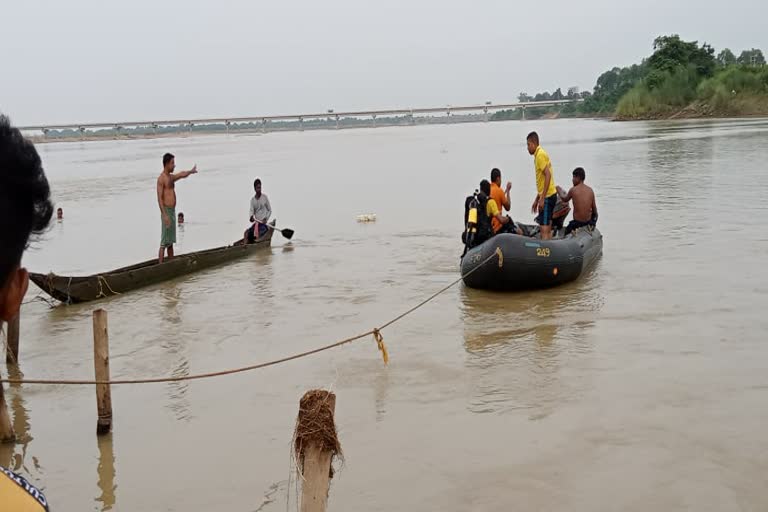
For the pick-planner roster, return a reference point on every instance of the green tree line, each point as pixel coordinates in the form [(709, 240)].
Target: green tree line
[(677, 75)]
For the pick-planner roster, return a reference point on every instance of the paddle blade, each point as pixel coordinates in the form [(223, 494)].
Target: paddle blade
[(287, 233)]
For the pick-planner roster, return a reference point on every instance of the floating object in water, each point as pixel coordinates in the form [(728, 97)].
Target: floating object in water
[(366, 217)]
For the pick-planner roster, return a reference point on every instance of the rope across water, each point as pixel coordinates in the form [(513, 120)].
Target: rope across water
[(375, 332)]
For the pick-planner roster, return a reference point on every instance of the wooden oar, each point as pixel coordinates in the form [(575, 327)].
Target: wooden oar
[(287, 233)]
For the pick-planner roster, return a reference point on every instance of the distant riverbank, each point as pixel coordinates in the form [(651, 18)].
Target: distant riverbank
[(694, 111), (750, 106), (72, 136), (141, 133)]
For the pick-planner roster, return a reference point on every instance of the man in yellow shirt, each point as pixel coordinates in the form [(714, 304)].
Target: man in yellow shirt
[(546, 196)]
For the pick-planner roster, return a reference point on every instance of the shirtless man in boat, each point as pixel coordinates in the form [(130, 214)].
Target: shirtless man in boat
[(584, 206), (166, 200)]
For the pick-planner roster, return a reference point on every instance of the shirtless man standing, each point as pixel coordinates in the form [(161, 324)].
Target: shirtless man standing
[(584, 206), (166, 199)]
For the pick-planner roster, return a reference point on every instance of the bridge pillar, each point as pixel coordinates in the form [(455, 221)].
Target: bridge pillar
[(337, 121), (523, 115), (374, 120), (264, 126), (82, 132), (154, 129), (485, 113), (301, 124)]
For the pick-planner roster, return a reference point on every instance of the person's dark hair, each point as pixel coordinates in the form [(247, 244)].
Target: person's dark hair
[(25, 196), (485, 187), (495, 174), (167, 158), (181, 214), (257, 181), (534, 137), (579, 173)]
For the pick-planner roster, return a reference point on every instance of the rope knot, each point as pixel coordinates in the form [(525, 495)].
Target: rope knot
[(380, 343)]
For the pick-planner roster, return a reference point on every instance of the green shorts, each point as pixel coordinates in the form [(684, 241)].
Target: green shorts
[(168, 233)]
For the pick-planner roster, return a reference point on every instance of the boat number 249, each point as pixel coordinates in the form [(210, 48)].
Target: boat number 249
[(542, 251)]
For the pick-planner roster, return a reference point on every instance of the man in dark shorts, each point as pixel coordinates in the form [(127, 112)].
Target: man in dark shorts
[(25, 208), (583, 197), (546, 196)]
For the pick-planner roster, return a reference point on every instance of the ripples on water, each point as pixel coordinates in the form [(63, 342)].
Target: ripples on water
[(654, 356), (516, 346)]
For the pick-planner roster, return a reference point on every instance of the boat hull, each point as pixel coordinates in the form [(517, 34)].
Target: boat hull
[(72, 290), (524, 263)]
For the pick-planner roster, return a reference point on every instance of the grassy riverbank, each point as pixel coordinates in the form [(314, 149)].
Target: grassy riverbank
[(680, 79), (731, 91)]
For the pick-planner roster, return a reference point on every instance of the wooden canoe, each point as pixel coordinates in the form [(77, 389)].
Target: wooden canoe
[(72, 290)]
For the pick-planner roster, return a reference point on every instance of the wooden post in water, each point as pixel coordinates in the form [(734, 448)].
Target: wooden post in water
[(6, 427), (101, 367), (12, 349), (316, 445)]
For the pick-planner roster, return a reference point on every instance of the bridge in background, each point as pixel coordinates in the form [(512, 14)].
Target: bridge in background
[(330, 115)]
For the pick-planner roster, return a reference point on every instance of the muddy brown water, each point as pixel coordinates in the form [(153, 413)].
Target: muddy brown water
[(641, 386)]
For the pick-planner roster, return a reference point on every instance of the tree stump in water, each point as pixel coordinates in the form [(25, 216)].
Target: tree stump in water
[(316, 445)]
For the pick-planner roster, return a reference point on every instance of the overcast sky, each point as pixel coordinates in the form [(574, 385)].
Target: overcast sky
[(96, 60)]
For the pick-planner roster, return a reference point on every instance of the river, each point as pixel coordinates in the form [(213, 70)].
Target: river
[(640, 386)]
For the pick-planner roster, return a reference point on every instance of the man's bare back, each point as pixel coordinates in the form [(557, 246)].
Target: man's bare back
[(583, 202), (583, 197)]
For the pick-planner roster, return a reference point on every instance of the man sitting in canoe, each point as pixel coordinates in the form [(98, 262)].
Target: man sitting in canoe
[(584, 206), (260, 211), (25, 208)]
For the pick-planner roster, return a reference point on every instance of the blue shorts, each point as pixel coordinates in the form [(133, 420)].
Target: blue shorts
[(545, 215)]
